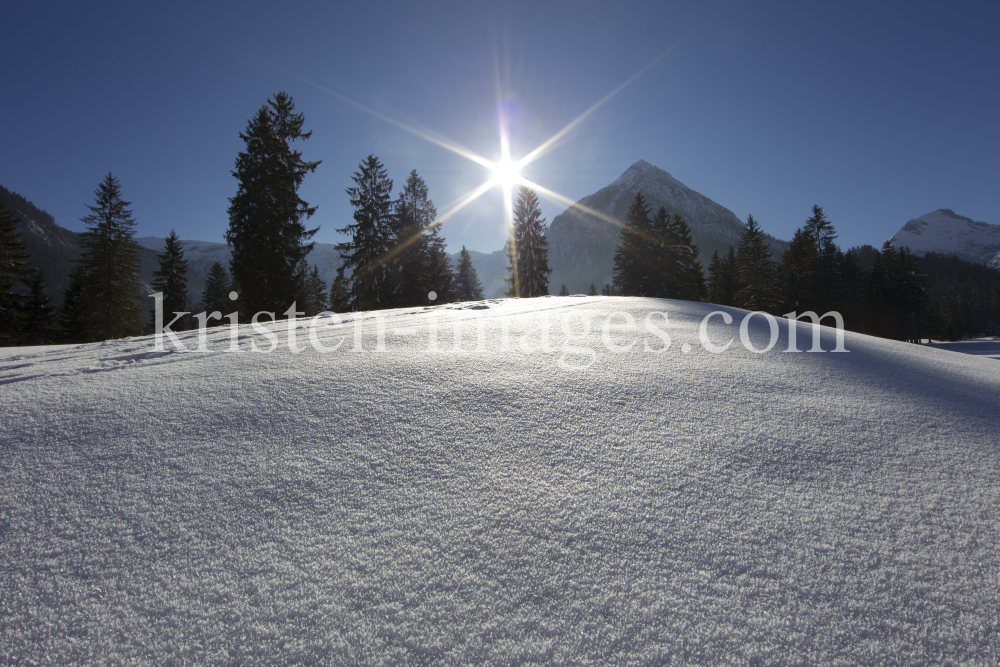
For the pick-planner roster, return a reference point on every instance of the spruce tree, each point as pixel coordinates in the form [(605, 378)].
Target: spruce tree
[(467, 285), (110, 279), (441, 276), (416, 244), (528, 249), (312, 297), (370, 285), (15, 273), (266, 231), (910, 295), (38, 326), (593, 290), (608, 290), (70, 318), (800, 271), (339, 300), (723, 279), (563, 291), (215, 295), (171, 280), (675, 267), (635, 256), (757, 272)]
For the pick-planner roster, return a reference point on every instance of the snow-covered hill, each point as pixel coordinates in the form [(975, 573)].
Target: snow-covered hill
[(945, 232), (416, 506), (582, 246)]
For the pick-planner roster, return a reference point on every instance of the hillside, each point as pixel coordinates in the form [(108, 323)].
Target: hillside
[(493, 506), (52, 248), (582, 246)]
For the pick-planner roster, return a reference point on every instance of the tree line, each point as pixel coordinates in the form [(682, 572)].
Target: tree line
[(889, 293), (395, 255)]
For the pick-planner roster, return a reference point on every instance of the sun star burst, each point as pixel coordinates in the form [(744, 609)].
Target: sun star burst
[(506, 173)]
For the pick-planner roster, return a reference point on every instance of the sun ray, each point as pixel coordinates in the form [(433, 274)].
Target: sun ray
[(403, 244), (546, 145), (584, 208), (466, 200), (569, 202), (447, 144)]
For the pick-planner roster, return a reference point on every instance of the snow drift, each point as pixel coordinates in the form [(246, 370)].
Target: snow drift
[(412, 505)]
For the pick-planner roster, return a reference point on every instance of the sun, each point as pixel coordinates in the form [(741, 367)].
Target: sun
[(506, 173)]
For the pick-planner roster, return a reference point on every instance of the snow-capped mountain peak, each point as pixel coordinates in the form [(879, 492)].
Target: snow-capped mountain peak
[(944, 231)]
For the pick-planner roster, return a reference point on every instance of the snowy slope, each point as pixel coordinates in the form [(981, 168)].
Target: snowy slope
[(945, 232), (200, 256), (412, 506)]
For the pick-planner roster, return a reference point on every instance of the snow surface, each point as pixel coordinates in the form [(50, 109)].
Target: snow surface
[(945, 232), (986, 347), (412, 506)]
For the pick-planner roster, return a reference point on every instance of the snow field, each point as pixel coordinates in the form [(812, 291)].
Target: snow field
[(409, 507)]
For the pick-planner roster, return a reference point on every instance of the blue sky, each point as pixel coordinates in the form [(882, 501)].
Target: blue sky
[(879, 112)]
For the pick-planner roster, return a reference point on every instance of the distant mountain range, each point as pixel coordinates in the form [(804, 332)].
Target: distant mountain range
[(581, 245), (948, 233), (200, 256)]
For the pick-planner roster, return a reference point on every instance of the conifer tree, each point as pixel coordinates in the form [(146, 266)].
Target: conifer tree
[(215, 295), (467, 285), (634, 264), (757, 272), (800, 271), (38, 326), (675, 266), (312, 297), (419, 268), (608, 290), (266, 231), (171, 280), (110, 280), (563, 291), (722, 279), (528, 249), (340, 296), (441, 276), (593, 290), (15, 272), (909, 292), (69, 319), (370, 285), (317, 290)]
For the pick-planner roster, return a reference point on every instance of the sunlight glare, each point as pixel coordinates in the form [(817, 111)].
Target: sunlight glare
[(505, 173)]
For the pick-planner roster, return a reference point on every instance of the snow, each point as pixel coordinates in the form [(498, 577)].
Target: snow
[(414, 505), (945, 232), (986, 347)]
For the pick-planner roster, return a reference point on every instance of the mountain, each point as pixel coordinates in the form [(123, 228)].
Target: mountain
[(200, 256), (948, 233), (582, 246), (52, 248)]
